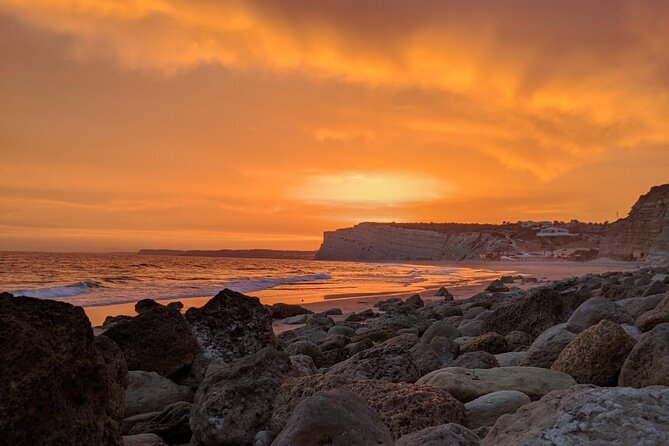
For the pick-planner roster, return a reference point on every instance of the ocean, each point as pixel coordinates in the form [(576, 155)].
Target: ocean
[(108, 279)]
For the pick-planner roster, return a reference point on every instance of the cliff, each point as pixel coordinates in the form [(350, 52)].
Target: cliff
[(644, 233), (378, 242)]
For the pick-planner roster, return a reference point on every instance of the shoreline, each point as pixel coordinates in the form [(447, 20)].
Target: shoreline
[(542, 270)]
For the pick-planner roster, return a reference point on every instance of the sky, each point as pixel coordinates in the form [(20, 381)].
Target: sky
[(241, 124)]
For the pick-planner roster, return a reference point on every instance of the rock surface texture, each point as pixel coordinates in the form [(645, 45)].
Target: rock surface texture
[(56, 388), (648, 362), (232, 325), (588, 416)]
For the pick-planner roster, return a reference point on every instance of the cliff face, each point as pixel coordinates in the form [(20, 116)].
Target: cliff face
[(644, 234), (377, 242)]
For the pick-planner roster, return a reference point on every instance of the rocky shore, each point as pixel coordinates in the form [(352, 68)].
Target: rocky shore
[(580, 361)]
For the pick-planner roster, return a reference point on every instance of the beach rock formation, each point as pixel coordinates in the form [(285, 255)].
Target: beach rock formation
[(594, 310), (56, 387), (535, 312), (445, 434), (648, 362), (547, 347), (235, 400), (231, 325), (469, 384), (171, 424), (585, 416), (596, 355), (151, 392), (334, 417), (157, 340), (117, 374)]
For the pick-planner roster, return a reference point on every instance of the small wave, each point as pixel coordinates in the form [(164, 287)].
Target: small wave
[(72, 289), (119, 279), (248, 286)]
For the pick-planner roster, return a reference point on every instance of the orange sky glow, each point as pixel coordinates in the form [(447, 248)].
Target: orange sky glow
[(237, 124)]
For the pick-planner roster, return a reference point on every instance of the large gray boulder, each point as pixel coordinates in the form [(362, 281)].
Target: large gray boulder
[(596, 355), (151, 392), (658, 315), (157, 340), (486, 409), (334, 417), (231, 325), (56, 386), (636, 306), (648, 362), (235, 400), (588, 416), (594, 310), (440, 328), (469, 384), (445, 434), (547, 347)]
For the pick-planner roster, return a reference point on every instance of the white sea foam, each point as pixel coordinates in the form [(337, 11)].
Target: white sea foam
[(70, 290)]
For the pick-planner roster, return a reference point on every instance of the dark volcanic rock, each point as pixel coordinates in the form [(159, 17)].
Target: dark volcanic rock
[(596, 355), (157, 340), (334, 418), (55, 386), (235, 400), (282, 311), (117, 373), (497, 286), (534, 313), (447, 434), (231, 325), (172, 424), (146, 304), (648, 362)]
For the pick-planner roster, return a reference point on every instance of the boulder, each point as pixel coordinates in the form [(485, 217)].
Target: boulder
[(547, 347), (648, 362), (658, 315), (143, 440), (56, 387), (282, 311), (509, 359), (151, 392), (474, 360), (594, 310), (296, 320), (235, 400), (636, 306), (171, 425), (157, 340), (443, 292), (130, 422), (401, 406), (175, 305), (440, 328), (491, 342), (305, 348), (596, 355), (486, 409), (334, 417), (231, 325), (656, 287), (586, 416), (533, 313), (303, 364), (517, 341), (414, 301), (497, 286), (469, 384), (341, 330), (471, 328), (389, 361), (146, 304), (117, 376), (446, 434)]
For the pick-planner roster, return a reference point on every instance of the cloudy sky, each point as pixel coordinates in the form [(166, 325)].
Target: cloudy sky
[(236, 124)]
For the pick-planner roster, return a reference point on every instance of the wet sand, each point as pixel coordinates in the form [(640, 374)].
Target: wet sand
[(542, 270)]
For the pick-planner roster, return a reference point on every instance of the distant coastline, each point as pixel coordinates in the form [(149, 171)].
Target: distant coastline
[(238, 253)]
